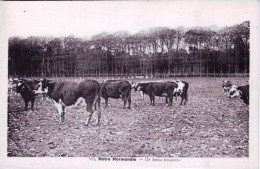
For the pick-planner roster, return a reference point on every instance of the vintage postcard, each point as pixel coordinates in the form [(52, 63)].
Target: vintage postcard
[(132, 84)]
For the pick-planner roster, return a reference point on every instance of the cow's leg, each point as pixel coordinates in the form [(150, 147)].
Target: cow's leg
[(166, 99), (123, 96), (99, 116), (106, 102), (186, 99), (96, 101), (169, 97), (32, 102), (170, 100), (182, 98), (60, 110), (151, 99), (26, 104), (124, 103), (90, 110), (129, 100), (142, 95), (63, 114)]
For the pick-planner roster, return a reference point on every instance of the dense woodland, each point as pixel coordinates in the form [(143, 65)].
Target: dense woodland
[(158, 52)]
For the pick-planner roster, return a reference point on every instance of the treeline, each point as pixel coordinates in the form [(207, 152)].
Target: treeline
[(158, 52)]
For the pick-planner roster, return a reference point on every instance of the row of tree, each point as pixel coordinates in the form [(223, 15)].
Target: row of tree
[(158, 52)]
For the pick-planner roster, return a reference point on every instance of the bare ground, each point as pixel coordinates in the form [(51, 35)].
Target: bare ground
[(210, 125)]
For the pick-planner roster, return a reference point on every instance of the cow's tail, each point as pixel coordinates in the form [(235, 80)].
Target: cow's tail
[(97, 98), (129, 92), (186, 92)]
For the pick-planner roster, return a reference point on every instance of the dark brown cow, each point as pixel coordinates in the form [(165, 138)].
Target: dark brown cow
[(116, 89), (153, 89), (67, 93)]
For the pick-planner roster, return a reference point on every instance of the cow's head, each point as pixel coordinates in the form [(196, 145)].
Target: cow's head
[(20, 85), (13, 82), (226, 86), (234, 92), (226, 83), (178, 90), (43, 86), (38, 84), (16, 80), (140, 87), (10, 80), (135, 85)]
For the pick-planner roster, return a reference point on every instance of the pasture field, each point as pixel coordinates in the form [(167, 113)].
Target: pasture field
[(210, 125)]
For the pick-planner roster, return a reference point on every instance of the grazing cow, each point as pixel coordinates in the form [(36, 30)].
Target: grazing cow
[(65, 93), (116, 89), (240, 91), (226, 86), (182, 91), (26, 88)]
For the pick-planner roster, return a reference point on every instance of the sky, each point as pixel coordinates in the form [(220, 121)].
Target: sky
[(85, 19)]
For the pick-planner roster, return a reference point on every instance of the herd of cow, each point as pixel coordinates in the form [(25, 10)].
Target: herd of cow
[(63, 94)]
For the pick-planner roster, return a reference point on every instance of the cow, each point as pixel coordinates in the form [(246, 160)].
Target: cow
[(25, 88), (161, 89), (240, 91), (66, 93), (116, 89), (227, 85), (182, 91)]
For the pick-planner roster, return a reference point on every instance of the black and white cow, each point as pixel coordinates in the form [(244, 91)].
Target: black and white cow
[(26, 88), (116, 89), (181, 90), (240, 91), (227, 85), (67, 93)]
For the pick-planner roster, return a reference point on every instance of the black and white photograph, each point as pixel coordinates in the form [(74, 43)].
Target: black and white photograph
[(155, 83)]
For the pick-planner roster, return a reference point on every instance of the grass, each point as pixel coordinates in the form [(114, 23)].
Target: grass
[(210, 125)]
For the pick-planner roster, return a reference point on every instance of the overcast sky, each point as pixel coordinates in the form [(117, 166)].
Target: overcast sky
[(84, 19)]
